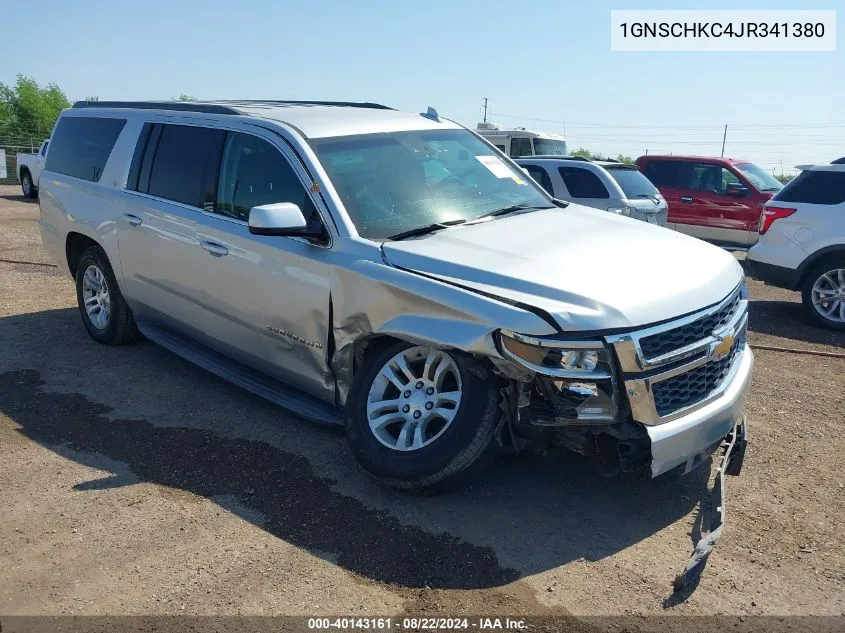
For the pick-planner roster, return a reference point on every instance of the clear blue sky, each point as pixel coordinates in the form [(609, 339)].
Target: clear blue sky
[(540, 63)]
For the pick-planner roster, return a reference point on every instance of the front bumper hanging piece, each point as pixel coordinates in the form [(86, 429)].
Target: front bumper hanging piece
[(733, 455)]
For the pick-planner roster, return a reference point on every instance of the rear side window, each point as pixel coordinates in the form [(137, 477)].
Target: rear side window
[(520, 147), (582, 183), (541, 176), (663, 173), (82, 145), (183, 164), (632, 182), (814, 187)]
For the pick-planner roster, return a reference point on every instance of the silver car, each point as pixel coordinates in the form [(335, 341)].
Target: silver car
[(607, 185), (394, 273)]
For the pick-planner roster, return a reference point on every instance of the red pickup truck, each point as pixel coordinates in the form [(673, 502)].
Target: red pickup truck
[(715, 199)]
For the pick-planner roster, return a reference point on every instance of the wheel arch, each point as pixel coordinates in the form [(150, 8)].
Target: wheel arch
[(828, 253), (76, 244)]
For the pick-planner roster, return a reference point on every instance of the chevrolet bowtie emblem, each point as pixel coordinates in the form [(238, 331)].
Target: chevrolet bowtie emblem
[(723, 347)]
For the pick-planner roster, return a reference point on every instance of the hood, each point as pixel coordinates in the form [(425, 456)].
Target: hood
[(589, 269)]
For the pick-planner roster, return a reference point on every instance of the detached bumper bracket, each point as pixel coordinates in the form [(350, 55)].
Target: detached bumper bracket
[(733, 456)]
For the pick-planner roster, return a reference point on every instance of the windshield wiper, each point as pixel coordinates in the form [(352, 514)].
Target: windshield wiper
[(511, 209), (424, 230)]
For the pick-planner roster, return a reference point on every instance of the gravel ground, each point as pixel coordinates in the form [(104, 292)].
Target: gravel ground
[(134, 483)]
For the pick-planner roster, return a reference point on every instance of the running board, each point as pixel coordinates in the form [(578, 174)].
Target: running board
[(277, 392)]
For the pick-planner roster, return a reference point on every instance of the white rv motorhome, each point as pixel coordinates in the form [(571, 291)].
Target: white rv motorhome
[(521, 142)]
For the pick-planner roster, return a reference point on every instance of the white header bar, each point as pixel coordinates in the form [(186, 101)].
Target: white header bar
[(723, 30)]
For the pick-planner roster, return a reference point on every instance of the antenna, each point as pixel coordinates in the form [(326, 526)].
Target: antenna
[(485, 109)]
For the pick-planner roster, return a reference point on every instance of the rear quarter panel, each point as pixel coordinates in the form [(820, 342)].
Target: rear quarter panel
[(73, 205)]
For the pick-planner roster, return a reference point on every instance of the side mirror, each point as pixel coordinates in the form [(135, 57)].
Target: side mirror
[(281, 218), (736, 189)]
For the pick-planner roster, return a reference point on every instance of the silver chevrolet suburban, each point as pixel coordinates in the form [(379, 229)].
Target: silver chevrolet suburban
[(394, 273)]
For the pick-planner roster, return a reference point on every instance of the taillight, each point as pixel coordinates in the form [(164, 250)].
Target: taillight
[(770, 214)]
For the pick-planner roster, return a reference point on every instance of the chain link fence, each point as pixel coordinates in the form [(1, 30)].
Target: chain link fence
[(11, 150)]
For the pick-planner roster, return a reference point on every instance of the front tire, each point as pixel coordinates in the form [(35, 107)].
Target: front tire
[(104, 312), (421, 418), (27, 186), (823, 294)]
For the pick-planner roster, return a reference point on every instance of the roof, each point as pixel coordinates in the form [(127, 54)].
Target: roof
[(575, 160), (524, 132), (831, 166), (721, 159), (314, 119)]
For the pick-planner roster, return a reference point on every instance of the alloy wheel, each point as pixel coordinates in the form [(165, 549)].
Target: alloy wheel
[(95, 296), (414, 398), (828, 295)]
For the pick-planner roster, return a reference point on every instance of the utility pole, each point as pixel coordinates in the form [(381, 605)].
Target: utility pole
[(485, 109), (724, 136), (646, 151)]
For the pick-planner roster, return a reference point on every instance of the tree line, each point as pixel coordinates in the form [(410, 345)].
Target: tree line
[(28, 111)]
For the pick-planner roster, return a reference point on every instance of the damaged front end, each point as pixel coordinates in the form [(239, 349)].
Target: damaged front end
[(566, 394)]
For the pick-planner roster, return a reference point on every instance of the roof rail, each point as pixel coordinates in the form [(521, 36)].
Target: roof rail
[(287, 102), (182, 106)]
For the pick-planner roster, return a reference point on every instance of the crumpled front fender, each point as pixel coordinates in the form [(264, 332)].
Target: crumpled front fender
[(370, 298)]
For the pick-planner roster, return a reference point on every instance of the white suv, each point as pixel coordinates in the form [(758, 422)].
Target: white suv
[(802, 241), (606, 185)]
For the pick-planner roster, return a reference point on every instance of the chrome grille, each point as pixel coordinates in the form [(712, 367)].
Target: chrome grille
[(673, 368), (664, 342), (694, 386)]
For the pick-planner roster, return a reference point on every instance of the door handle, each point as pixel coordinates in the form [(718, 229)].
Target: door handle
[(686, 199), (134, 220), (214, 248)]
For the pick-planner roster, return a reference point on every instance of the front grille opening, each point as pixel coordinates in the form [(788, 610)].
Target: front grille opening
[(671, 340), (694, 386)]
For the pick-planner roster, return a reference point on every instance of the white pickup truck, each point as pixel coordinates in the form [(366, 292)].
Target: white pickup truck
[(29, 170)]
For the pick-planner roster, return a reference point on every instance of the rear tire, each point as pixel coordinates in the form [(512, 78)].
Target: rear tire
[(826, 280), (104, 312), (27, 186), (445, 454)]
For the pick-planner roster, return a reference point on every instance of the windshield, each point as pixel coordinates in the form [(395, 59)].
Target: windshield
[(549, 147), (760, 178), (632, 182), (394, 182)]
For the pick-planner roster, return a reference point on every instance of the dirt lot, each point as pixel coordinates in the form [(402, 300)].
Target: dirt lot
[(134, 483)]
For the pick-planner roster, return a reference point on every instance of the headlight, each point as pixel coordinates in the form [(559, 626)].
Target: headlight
[(562, 359), (620, 210), (573, 383), (743, 290)]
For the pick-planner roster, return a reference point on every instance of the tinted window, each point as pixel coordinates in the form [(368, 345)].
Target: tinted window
[(81, 146), (582, 183), (185, 161), (549, 147), (815, 187), (521, 147), (501, 148), (663, 173), (706, 177), (632, 182), (541, 176), (253, 173)]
